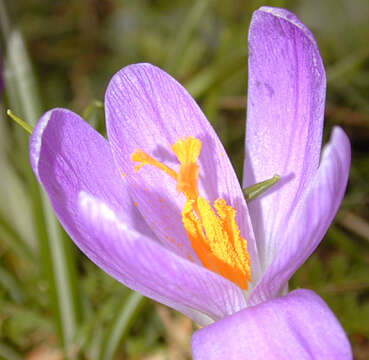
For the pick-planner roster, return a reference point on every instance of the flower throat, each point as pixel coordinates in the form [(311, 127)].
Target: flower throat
[(212, 229)]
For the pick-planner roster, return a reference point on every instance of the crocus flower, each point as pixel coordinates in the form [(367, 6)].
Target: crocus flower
[(158, 206)]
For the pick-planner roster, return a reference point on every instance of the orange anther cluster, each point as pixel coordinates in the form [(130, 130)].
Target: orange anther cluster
[(212, 229)]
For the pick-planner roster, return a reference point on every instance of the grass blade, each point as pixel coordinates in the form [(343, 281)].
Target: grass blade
[(10, 283), (193, 19), (14, 241), (214, 75), (58, 264), (126, 315)]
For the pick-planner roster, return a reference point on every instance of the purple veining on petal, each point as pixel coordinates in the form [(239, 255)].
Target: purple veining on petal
[(68, 155), (146, 266), (147, 109), (70, 158), (284, 122), (313, 215), (129, 223)]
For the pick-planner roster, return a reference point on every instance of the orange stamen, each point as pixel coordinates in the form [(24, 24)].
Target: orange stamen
[(214, 234), (144, 159)]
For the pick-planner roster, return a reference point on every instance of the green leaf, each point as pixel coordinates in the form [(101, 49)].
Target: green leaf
[(57, 259), (125, 316), (10, 283), (14, 241), (177, 46), (215, 74), (28, 128)]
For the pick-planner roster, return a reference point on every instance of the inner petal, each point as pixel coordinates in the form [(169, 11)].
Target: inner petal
[(212, 229)]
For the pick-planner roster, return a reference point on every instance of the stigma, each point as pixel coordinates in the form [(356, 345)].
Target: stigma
[(211, 228)]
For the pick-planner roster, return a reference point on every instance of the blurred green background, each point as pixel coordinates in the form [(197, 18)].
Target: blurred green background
[(54, 301)]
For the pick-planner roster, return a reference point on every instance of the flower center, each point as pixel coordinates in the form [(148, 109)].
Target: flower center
[(212, 229)]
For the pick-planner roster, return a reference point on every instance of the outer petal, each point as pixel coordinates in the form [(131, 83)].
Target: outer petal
[(69, 158), (156, 272), (147, 109), (286, 95), (310, 221), (297, 326)]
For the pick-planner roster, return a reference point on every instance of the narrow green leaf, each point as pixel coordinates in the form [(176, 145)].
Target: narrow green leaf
[(16, 220), (57, 259), (10, 283), (193, 18), (28, 128), (94, 115), (340, 240), (215, 74), (59, 267), (124, 319), (347, 65), (96, 343), (23, 78), (14, 241), (91, 108)]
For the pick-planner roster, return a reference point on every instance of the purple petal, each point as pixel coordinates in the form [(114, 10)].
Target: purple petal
[(297, 326), (147, 109), (70, 158), (312, 217), (286, 96), (149, 268)]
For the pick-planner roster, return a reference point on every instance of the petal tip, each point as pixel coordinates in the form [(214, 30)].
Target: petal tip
[(287, 16), (339, 133), (131, 71), (35, 145), (265, 12), (36, 141), (339, 140)]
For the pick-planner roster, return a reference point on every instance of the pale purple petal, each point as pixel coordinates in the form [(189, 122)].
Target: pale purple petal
[(147, 109), (149, 268), (69, 156), (311, 219), (286, 95), (297, 326)]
